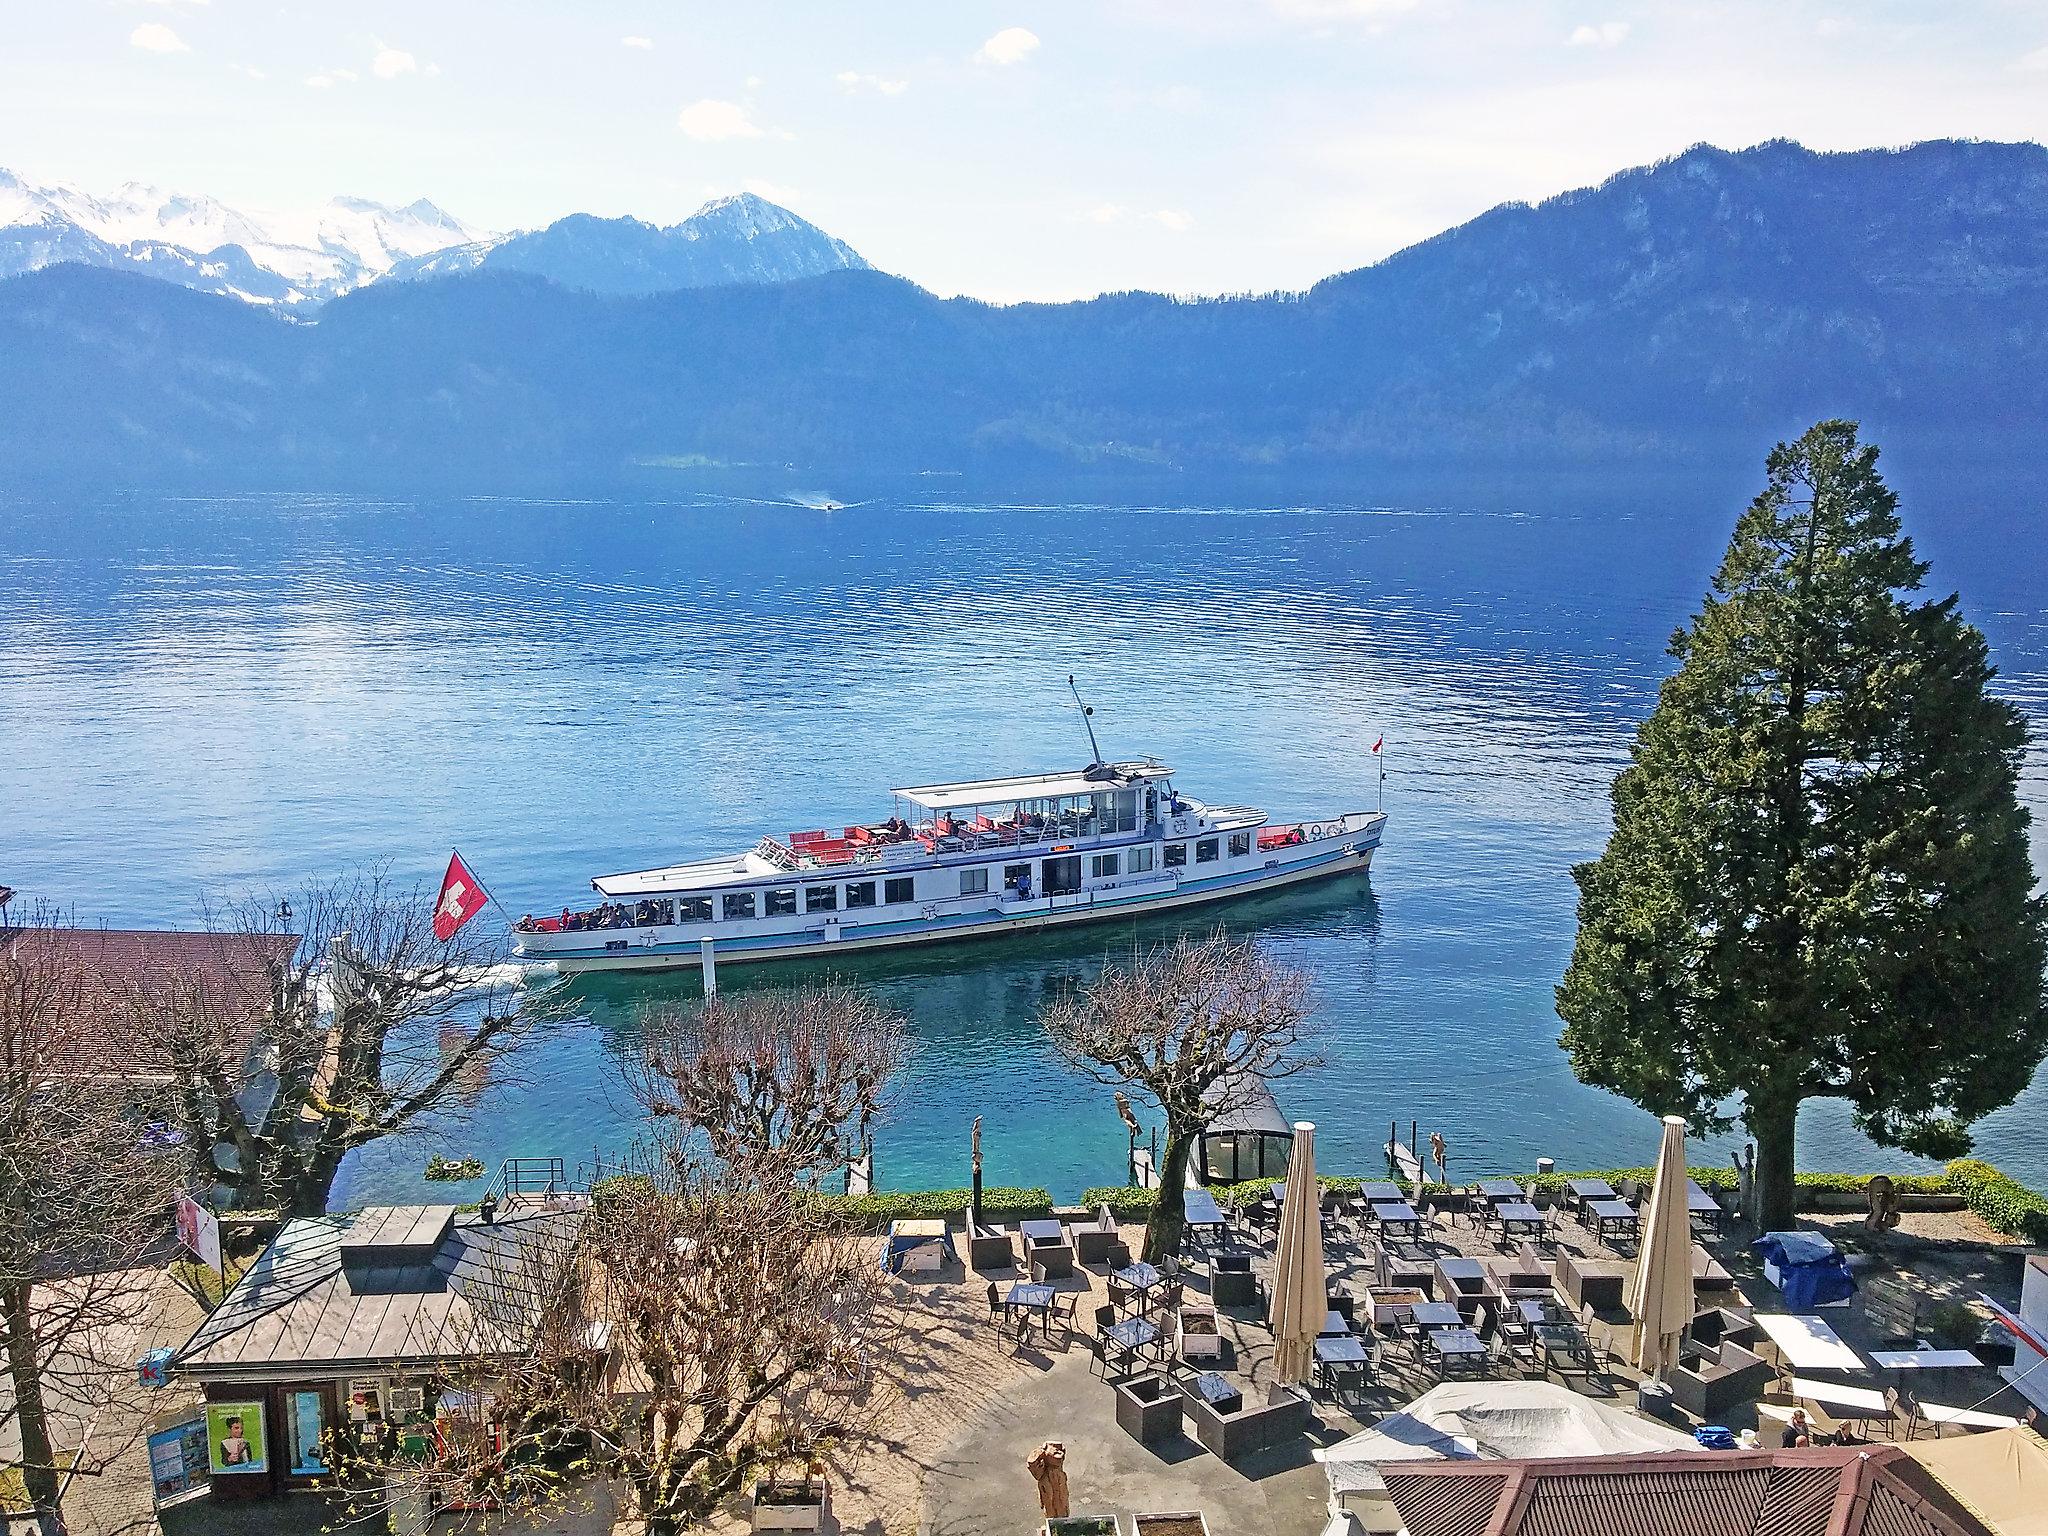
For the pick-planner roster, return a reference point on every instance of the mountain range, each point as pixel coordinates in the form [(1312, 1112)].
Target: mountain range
[(1678, 316), (298, 260)]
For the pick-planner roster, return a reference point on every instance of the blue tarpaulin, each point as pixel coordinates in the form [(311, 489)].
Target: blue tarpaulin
[(1808, 1268)]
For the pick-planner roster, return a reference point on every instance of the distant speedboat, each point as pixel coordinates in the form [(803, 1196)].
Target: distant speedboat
[(975, 859)]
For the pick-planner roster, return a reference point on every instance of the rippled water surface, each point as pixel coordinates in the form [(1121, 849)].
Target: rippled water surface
[(208, 696)]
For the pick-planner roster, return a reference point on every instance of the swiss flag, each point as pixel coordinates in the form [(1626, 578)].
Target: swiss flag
[(462, 897), (1380, 743)]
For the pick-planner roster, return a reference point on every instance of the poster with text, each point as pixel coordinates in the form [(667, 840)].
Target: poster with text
[(234, 1438)]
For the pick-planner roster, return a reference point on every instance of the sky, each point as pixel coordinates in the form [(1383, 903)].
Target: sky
[(1010, 151)]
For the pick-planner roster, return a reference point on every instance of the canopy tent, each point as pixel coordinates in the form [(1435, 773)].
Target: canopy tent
[(2000, 1477), (1494, 1420), (1660, 1295)]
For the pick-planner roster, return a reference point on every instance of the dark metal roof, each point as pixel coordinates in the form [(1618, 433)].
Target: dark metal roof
[(319, 1301), (1246, 1104), (1820, 1491)]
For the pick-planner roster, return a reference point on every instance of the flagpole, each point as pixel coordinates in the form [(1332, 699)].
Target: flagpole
[(479, 879)]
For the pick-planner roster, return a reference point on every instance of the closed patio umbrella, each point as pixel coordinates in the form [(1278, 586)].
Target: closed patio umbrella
[(1660, 1292), (1301, 1286)]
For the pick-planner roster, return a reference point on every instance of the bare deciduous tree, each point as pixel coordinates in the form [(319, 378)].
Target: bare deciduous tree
[(1195, 1024), (797, 1071), (83, 1198), (371, 1025)]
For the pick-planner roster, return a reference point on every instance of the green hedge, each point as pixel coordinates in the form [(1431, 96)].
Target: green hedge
[(878, 1210), (2006, 1204), (1126, 1202)]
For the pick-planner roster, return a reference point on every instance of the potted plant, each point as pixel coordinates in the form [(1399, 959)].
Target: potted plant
[(791, 1503), (1080, 1525)]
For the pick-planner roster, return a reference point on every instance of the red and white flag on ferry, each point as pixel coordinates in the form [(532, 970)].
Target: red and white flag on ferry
[(462, 897)]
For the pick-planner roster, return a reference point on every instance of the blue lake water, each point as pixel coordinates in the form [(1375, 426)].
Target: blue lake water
[(200, 697)]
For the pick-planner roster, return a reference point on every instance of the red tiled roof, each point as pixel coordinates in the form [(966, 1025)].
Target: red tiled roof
[(118, 966), (1820, 1491)]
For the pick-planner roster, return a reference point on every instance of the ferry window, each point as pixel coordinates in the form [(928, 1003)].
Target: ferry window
[(1240, 844), (1107, 864), (693, 909), (1141, 860), (781, 903), (903, 889), (973, 882), (821, 898), (1015, 873), (1205, 851), (739, 904), (1176, 855), (861, 894)]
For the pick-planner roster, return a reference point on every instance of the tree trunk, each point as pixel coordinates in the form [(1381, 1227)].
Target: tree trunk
[(1771, 1119), (1169, 1211), (25, 1370)]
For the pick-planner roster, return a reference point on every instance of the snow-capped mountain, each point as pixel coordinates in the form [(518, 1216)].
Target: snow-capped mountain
[(288, 257), (741, 239)]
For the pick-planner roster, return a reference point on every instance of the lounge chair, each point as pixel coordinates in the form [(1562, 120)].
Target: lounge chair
[(1092, 1239), (1600, 1282), (991, 1248), (1708, 1273), (1051, 1261), (1148, 1407), (1709, 1386), (1285, 1415)]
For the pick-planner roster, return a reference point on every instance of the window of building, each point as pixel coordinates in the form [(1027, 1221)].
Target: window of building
[(902, 888), (781, 903), (973, 882), (821, 898), (738, 904), (693, 909), (1205, 851), (1240, 844), (1176, 855), (1141, 860), (861, 894), (1106, 864)]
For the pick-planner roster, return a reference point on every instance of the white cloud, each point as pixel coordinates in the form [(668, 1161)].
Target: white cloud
[(320, 82), (390, 63), (1175, 219), (774, 191), (1012, 45), (853, 82), (155, 37), (636, 42), (2035, 62), (244, 69), (1607, 35), (712, 121), (344, 74)]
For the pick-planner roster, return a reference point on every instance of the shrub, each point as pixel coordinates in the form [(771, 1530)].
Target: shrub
[(2006, 1204), (1127, 1203), (876, 1211)]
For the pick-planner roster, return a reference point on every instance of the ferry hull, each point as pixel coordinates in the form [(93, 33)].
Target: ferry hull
[(1351, 856)]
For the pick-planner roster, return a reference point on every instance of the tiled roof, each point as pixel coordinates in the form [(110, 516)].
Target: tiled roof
[(1821, 1491)]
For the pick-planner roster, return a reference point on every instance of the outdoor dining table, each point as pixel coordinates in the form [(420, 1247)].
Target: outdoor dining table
[(1458, 1349), (1518, 1216), (1495, 1191), (1610, 1216), (1025, 1296), (1339, 1358), (1396, 1218), (1051, 1233), (1134, 1282), (1335, 1325), (1381, 1192), (1132, 1334), (1807, 1343), (1703, 1207), (1430, 1315), (1586, 1190), (1200, 1210), (1858, 1405)]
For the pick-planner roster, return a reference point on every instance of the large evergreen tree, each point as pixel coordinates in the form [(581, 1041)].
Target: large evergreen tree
[(1817, 883)]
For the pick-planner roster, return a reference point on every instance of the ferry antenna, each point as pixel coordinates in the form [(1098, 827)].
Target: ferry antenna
[(1096, 760)]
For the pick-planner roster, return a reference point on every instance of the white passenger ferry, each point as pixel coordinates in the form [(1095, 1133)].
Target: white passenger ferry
[(954, 861)]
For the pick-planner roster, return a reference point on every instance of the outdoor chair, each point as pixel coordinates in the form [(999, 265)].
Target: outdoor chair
[(1708, 1388), (1596, 1338), (1064, 1307), (1708, 1273), (995, 1301), (1052, 1261), (1093, 1239), (1599, 1282), (1148, 1408), (990, 1248)]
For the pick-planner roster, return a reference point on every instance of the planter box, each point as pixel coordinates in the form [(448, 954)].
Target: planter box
[(797, 1504), (1390, 1304), (1199, 1337), (1187, 1522), (1080, 1525)]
